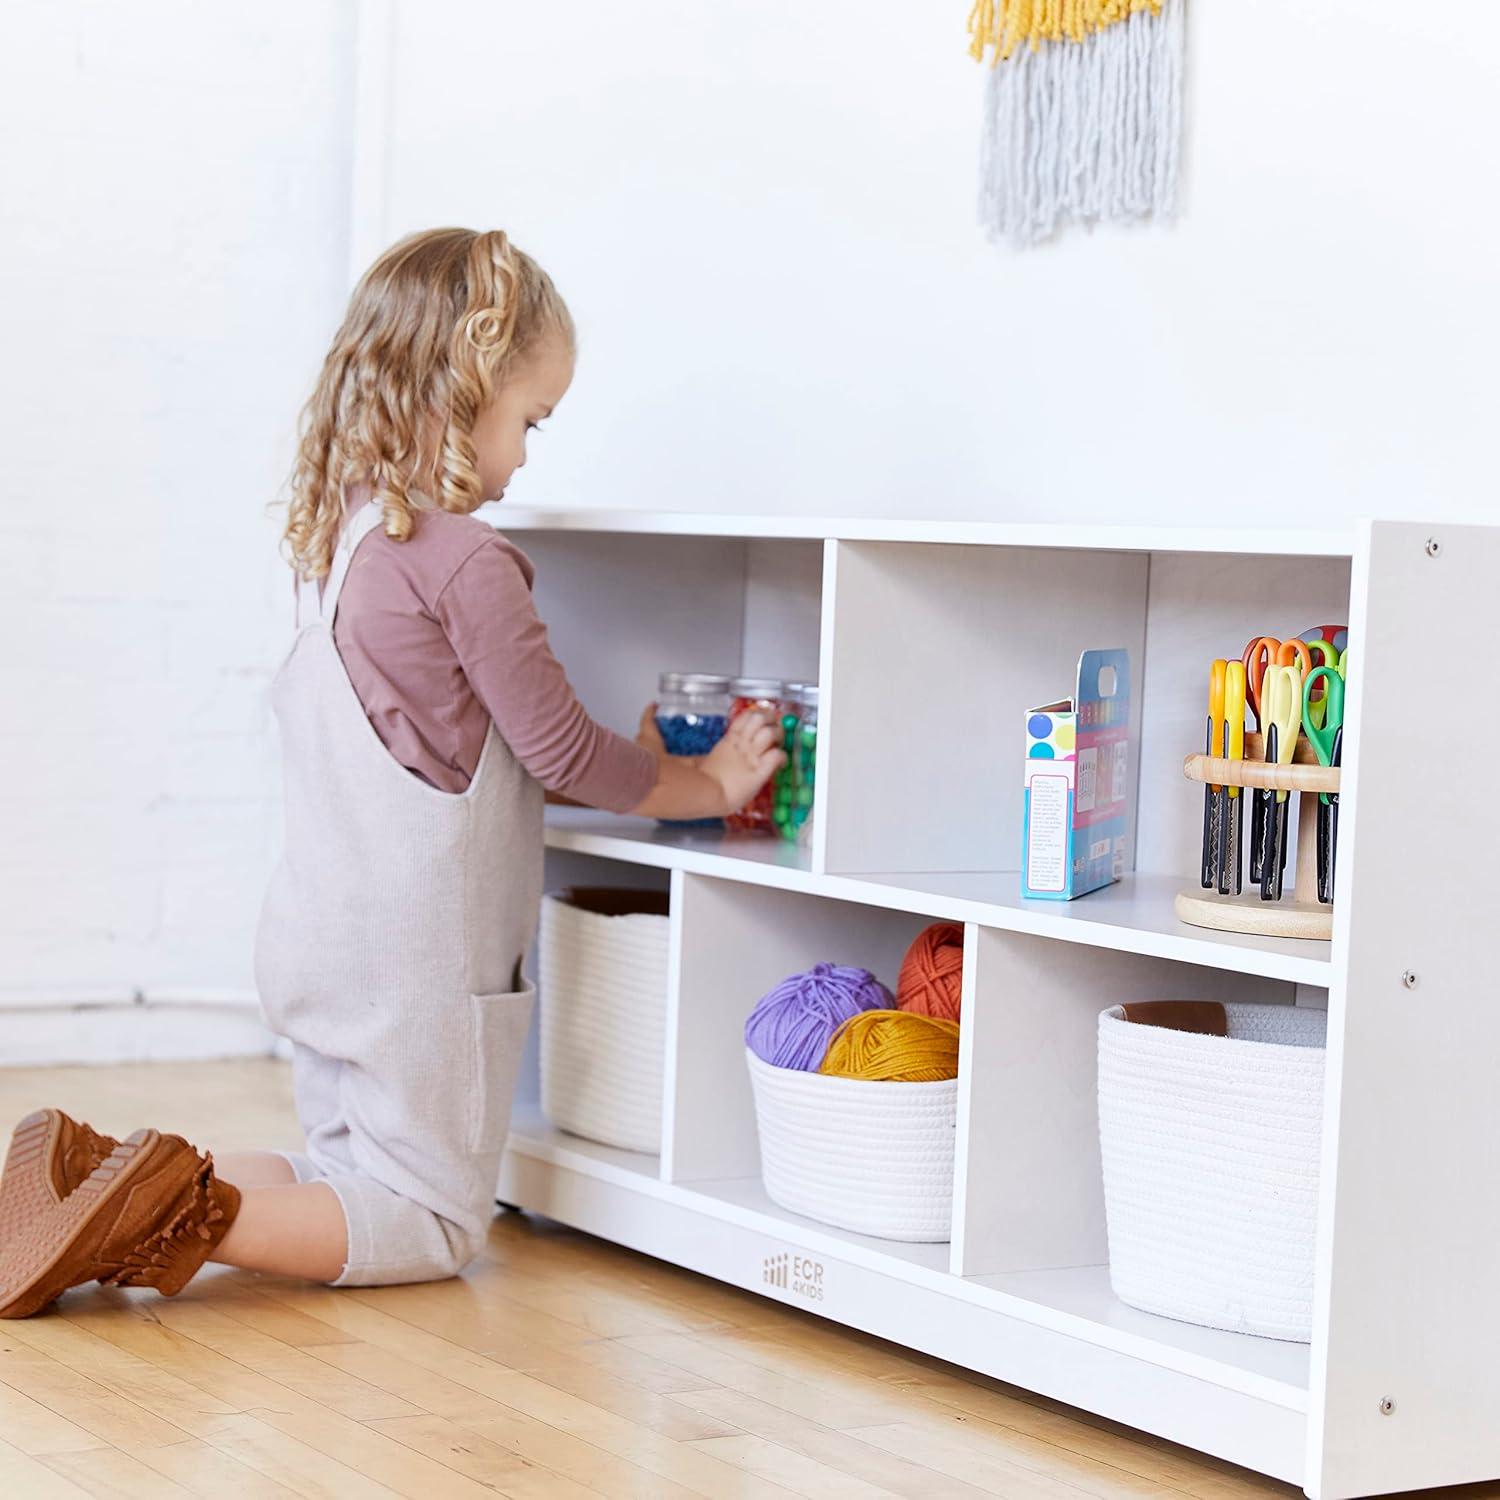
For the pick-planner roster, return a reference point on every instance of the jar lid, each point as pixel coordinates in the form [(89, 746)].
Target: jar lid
[(803, 692), (692, 682), (756, 687)]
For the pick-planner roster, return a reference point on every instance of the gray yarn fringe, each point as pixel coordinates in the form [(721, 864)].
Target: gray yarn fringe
[(1087, 132)]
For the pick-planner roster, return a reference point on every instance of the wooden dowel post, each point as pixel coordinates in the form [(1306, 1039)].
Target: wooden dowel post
[(1307, 847)]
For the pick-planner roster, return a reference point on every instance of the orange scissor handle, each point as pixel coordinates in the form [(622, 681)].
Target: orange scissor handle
[(1259, 654), (1295, 651)]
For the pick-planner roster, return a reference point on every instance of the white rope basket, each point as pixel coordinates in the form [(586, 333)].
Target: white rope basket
[(603, 966), (875, 1158), (1211, 1149)]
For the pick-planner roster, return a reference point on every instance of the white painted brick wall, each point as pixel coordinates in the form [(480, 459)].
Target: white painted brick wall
[(173, 239)]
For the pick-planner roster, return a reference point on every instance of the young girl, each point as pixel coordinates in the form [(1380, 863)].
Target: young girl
[(422, 713)]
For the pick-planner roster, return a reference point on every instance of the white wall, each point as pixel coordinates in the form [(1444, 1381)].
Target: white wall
[(173, 242), (762, 212), (763, 216)]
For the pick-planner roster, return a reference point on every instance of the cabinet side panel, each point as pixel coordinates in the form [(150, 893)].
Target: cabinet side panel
[(1407, 1309)]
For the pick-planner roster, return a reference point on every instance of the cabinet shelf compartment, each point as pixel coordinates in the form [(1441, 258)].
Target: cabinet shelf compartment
[(623, 609), (738, 942)]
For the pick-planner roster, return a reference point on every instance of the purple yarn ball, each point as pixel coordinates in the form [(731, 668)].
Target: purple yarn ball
[(792, 1026)]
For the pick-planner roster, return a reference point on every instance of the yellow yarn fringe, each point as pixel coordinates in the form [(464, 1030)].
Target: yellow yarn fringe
[(893, 1046), (1007, 24)]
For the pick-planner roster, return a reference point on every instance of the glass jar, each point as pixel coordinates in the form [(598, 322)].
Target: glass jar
[(794, 784), (692, 713), (768, 695)]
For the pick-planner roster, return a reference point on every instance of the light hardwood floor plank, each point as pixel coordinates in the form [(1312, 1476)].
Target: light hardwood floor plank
[(659, 1413), (454, 1382), (794, 1471), (211, 1473), (941, 1393), (838, 1408), (961, 1460), (283, 1324), (294, 1368), (483, 1461), (836, 1450), (296, 1466), (32, 1428), (115, 1420), (112, 1475), (305, 1425), (21, 1474)]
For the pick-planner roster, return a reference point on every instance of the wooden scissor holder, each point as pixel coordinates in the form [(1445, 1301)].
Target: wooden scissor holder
[(1247, 912)]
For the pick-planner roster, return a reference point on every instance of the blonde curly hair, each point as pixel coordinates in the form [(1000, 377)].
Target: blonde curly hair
[(432, 330)]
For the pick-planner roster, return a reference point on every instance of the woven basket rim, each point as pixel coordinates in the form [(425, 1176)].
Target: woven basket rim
[(591, 901), (851, 1085), (1204, 1040)]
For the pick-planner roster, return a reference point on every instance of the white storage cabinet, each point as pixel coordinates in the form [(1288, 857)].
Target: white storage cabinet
[(929, 640)]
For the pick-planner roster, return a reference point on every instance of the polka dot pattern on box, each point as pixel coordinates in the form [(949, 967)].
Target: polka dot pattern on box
[(1050, 737)]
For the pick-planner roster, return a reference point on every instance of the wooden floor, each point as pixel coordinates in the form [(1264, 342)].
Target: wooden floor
[(558, 1366)]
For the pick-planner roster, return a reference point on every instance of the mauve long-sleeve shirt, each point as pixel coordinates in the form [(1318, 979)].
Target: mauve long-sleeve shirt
[(439, 636)]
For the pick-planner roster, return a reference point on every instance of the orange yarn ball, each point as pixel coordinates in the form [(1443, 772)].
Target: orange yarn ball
[(932, 973), (893, 1046)]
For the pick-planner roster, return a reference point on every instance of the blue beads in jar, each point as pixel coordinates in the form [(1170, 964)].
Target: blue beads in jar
[(692, 713)]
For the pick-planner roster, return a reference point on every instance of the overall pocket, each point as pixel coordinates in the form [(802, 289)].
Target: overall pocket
[(500, 1024)]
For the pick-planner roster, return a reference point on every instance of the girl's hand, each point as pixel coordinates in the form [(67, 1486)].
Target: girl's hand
[(648, 734), (716, 784), (745, 759)]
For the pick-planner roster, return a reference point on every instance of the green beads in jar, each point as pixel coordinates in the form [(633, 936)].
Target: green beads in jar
[(794, 785)]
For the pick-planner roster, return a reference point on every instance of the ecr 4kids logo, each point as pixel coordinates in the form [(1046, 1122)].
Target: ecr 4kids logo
[(800, 1275)]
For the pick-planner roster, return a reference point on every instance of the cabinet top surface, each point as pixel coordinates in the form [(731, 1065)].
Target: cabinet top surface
[(1280, 541)]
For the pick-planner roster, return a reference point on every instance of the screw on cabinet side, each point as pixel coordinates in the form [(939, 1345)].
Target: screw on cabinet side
[(1387, 1406), (1434, 547), (1409, 979)]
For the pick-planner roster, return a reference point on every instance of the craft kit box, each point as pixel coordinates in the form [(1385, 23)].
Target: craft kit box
[(1078, 783)]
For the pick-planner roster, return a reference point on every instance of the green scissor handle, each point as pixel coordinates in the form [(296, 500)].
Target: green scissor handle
[(1322, 735)]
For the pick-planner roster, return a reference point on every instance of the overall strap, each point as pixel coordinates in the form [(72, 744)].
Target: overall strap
[(311, 605)]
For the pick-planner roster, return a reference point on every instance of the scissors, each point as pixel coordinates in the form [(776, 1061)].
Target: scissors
[(1214, 804), (1231, 835), (1327, 741), (1262, 654), (1323, 653), (1282, 704), (1259, 657)]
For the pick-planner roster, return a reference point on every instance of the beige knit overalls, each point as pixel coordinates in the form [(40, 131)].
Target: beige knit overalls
[(389, 952)]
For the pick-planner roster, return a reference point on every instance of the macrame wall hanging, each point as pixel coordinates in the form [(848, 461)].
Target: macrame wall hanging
[(1082, 115)]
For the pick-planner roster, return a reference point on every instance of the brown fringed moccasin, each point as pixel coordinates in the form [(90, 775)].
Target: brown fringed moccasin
[(149, 1214), (50, 1154)]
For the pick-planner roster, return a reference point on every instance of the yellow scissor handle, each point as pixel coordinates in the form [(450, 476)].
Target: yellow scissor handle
[(1216, 708), (1282, 696), (1234, 712)]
